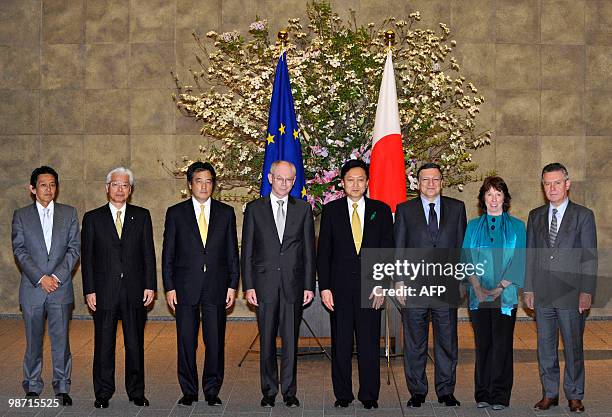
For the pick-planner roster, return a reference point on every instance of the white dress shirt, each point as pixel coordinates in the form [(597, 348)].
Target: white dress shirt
[(560, 213), (197, 209), (360, 210), (49, 237), (274, 204), (114, 211), (426, 208)]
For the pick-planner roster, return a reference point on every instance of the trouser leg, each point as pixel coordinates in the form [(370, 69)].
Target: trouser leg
[(58, 316), (213, 334), (187, 328), (34, 320), (415, 322), (367, 334), (342, 324), (444, 321), (548, 344)]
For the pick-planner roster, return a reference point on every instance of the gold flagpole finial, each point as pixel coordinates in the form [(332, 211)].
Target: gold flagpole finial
[(282, 36), (390, 39)]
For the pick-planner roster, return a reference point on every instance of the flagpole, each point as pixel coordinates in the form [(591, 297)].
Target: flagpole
[(282, 36)]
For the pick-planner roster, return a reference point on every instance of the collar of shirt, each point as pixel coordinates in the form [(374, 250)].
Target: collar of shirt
[(41, 209), (426, 203), (114, 211), (360, 210), (274, 203), (196, 208), (560, 212)]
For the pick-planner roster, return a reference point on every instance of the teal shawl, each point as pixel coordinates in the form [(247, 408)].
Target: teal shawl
[(497, 252)]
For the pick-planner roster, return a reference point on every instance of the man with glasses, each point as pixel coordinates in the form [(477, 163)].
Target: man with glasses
[(560, 282), (278, 273), (435, 223), (119, 282)]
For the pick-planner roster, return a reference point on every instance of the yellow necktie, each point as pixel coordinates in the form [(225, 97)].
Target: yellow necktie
[(118, 224), (356, 228), (202, 225)]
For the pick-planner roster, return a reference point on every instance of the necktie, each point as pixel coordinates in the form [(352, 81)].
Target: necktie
[(356, 228), (280, 220), (202, 225), (552, 233), (433, 221), (118, 224), (46, 226)]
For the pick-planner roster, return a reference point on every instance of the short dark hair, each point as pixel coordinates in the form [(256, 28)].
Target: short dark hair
[(43, 170), (354, 163), (429, 165), (200, 166), (498, 184), (556, 166)]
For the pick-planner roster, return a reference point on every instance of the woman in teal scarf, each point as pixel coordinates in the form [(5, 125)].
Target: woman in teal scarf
[(495, 241)]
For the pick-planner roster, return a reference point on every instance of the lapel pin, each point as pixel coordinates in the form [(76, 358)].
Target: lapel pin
[(372, 216)]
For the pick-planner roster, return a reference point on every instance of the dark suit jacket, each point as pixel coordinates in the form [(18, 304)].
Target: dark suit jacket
[(338, 263), (410, 231), (268, 265), (107, 260), (192, 269), (558, 274), (31, 253)]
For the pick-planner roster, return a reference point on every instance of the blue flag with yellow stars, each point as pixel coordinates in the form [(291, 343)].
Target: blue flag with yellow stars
[(282, 137)]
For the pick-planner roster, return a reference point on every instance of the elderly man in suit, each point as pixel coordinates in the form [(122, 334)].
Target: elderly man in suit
[(435, 223), (46, 246), (201, 270), (348, 225), (119, 282), (560, 283), (278, 273)]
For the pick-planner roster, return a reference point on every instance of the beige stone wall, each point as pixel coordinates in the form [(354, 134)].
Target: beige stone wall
[(85, 85)]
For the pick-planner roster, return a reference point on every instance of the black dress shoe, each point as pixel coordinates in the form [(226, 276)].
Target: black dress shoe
[(292, 402), (101, 403), (31, 394), (213, 400), (64, 399), (449, 400), (415, 401), (267, 401), (369, 404), (188, 400), (342, 403), (140, 401)]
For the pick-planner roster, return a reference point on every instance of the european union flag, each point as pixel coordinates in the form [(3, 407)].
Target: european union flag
[(282, 138)]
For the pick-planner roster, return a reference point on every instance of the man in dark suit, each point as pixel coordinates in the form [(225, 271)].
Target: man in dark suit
[(348, 225), (278, 273), (46, 246), (560, 283), (119, 282), (201, 270), (431, 222)]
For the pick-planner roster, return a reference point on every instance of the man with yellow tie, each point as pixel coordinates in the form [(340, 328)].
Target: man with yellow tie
[(347, 226), (119, 282), (200, 269)]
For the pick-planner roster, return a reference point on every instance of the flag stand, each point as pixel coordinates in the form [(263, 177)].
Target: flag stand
[(322, 350)]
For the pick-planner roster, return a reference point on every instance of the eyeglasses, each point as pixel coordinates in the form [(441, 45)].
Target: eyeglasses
[(117, 185), (282, 180)]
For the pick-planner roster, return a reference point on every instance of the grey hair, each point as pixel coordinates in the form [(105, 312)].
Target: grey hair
[(280, 161), (123, 171), (555, 166)]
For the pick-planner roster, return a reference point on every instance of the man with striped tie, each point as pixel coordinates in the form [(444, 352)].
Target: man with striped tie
[(560, 283), (200, 268)]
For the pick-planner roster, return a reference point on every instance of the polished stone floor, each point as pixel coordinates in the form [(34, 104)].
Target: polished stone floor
[(241, 394)]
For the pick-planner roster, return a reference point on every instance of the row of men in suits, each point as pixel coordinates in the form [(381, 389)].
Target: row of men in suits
[(201, 270)]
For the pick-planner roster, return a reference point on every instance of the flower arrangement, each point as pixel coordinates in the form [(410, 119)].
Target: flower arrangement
[(335, 69)]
